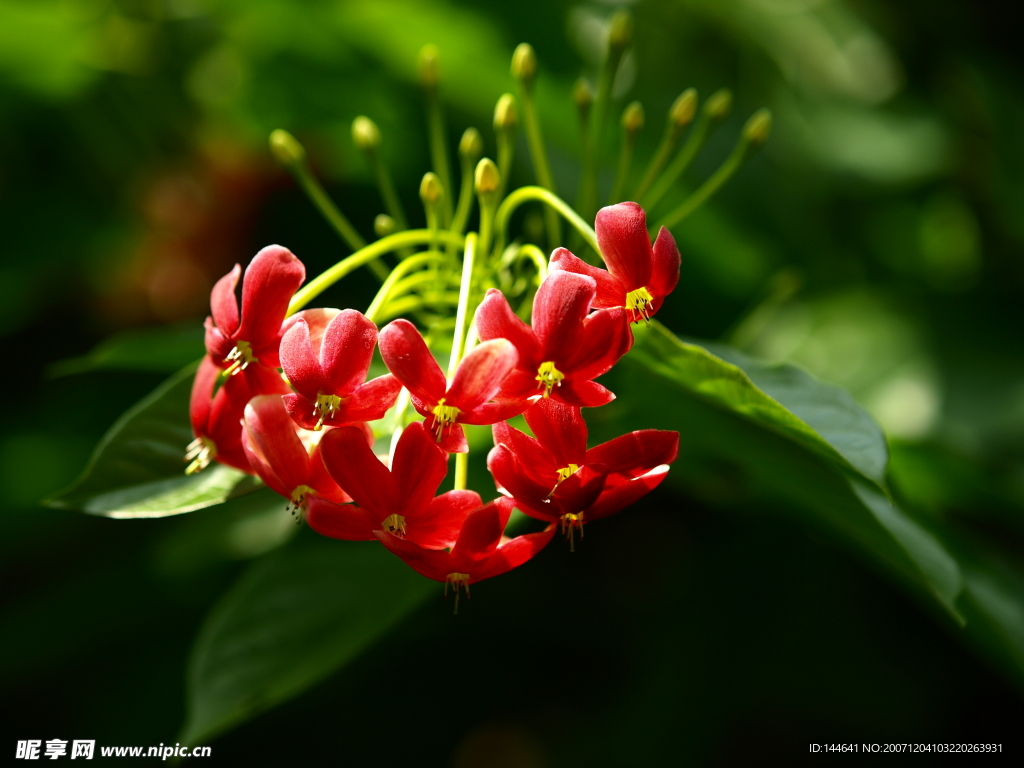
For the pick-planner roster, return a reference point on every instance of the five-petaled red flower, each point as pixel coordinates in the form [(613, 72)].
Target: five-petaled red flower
[(554, 477), (639, 277), (565, 348), (400, 500), (476, 381), (326, 354)]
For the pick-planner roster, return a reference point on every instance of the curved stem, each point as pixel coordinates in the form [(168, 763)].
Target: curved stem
[(400, 271), (699, 134), (525, 194), (707, 189), (439, 152), (322, 282), (459, 336), (539, 155)]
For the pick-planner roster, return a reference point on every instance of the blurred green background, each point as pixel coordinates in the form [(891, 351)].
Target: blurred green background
[(875, 241)]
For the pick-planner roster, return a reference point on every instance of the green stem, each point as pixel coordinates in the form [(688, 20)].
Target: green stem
[(408, 304), (707, 189), (625, 158), (698, 136), (439, 152), (661, 156), (465, 206), (459, 336), (364, 256), (404, 267), (554, 204), (506, 150), (587, 197), (461, 476), (387, 190), (539, 155)]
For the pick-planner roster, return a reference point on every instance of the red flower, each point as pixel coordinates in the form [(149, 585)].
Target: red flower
[(478, 552), (236, 342), (326, 354), (279, 457), (477, 379), (217, 417), (400, 500), (554, 477), (565, 348), (639, 277)]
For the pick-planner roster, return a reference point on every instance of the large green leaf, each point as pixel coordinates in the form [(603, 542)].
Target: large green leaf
[(295, 617), (162, 348), (137, 469)]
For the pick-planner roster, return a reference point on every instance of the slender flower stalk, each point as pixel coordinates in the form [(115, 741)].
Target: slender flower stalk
[(366, 136), (430, 79), (471, 148), (680, 115), (552, 202), (505, 121), (632, 123)]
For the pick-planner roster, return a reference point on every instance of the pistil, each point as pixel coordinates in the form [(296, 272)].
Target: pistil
[(326, 407), (239, 358), (640, 302), (571, 521), (444, 417), (549, 377)]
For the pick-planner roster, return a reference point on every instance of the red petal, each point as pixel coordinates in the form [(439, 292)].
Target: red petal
[(586, 394), (273, 434), (317, 319), (479, 537), (496, 320), (300, 363), (578, 492), (625, 244), (621, 496), (513, 553), (347, 351), (665, 268), (637, 452), (509, 474), (437, 526), (262, 468), (560, 429), (610, 291), (435, 564), (262, 380), (271, 280), (606, 338), (217, 344), (320, 479), (535, 459), (406, 355), (481, 373), (340, 521), (453, 438), (202, 395), (417, 468), (223, 304), (562, 302), (370, 401), (355, 468)]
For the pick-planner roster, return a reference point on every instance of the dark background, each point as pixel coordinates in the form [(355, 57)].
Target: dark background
[(704, 625)]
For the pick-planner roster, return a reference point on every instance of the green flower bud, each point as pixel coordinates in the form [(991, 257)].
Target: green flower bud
[(720, 104), (430, 188), (524, 63), (486, 179), (472, 145), (383, 225), (365, 133), (633, 118), (620, 30), (285, 148), (505, 117), (583, 96), (427, 66), (683, 109), (758, 127)]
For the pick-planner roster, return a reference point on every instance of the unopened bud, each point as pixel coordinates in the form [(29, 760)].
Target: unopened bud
[(427, 65), (683, 109), (524, 63), (383, 225), (472, 145), (486, 179), (505, 117), (633, 118), (285, 148), (365, 133), (620, 30), (430, 188), (583, 96), (720, 104), (758, 127)]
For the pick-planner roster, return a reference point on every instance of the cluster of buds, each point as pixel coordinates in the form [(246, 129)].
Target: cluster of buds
[(286, 398)]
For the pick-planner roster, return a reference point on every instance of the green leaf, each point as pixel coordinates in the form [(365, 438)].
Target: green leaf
[(164, 349), (137, 470), (295, 617)]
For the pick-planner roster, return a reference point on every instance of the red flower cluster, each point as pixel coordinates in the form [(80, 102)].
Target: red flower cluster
[(306, 432)]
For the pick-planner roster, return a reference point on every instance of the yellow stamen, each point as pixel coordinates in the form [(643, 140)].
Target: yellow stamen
[(458, 582), (444, 417), (239, 358), (564, 474), (394, 524), (200, 452), (297, 506), (549, 377), (640, 301), (326, 406), (570, 522)]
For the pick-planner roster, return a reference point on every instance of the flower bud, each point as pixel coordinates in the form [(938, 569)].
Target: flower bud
[(486, 179), (633, 118), (285, 148), (583, 96), (524, 64), (720, 104), (505, 117), (430, 188), (365, 133), (383, 225), (620, 30), (471, 146), (427, 66), (683, 108), (757, 128)]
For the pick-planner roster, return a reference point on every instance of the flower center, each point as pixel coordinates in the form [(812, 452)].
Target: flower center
[(458, 582), (640, 302), (564, 474), (200, 452), (444, 417), (394, 524), (297, 506), (239, 358), (549, 377), (570, 522), (326, 406)]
